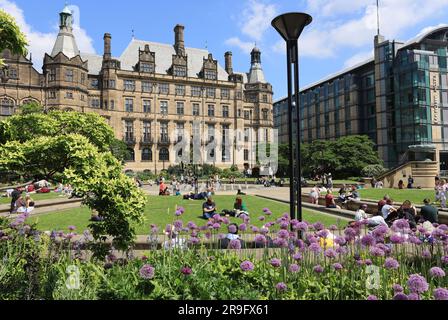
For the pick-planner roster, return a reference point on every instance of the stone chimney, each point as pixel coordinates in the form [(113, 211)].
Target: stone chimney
[(179, 43), (229, 64), (107, 46)]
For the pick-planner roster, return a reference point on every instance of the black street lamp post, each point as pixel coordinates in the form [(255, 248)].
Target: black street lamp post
[(290, 27)]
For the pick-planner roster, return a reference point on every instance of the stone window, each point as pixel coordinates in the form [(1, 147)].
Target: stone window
[(146, 154), (52, 75), (112, 84), (112, 104), (130, 157), (129, 105), (210, 75), (246, 115), (147, 106), (69, 75), (164, 107), (196, 91), (196, 111), (164, 155), (246, 155), (7, 107), (83, 77), (146, 67), (146, 86), (95, 84), (180, 90), (69, 95), (265, 113), (52, 95), (211, 110), (95, 103), (13, 73), (146, 131), (225, 93), (164, 88), (180, 106), (129, 85), (225, 111), (211, 92), (265, 98), (179, 71)]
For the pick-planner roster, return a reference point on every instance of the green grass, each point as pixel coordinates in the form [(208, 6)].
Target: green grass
[(416, 196), (160, 211), (36, 197)]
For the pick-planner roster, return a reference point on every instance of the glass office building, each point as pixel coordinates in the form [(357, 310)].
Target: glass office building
[(399, 98)]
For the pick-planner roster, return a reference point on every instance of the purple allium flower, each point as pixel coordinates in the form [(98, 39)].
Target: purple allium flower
[(243, 227), (260, 239), (235, 244), (194, 240), (284, 225), (396, 239), (397, 288), (340, 241), (216, 217), (333, 228), (262, 218), (415, 240), (301, 226), (391, 263), (341, 250), (178, 224), (437, 272), (440, 294), (368, 262), (311, 238), (426, 254), (350, 233), (281, 287), (191, 225), (208, 235), (147, 272), (330, 253), (284, 234), (401, 224), (276, 263), (264, 230), (297, 256), (376, 252), (216, 226), (168, 228), (445, 260), (280, 243), (232, 228), (225, 220), (247, 266), (337, 266), (243, 216), (380, 231), (318, 269), (186, 271), (323, 234), (266, 210), (400, 296), (368, 240), (372, 298), (315, 248), (413, 296), (72, 228), (294, 268), (417, 284), (318, 226), (222, 236), (254, 229)]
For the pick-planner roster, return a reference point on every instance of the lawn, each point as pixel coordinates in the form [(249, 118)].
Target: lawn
[(416, 196), (36, 197), (160, 211)]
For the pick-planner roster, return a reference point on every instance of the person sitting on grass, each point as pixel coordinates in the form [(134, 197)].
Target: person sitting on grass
[(372, 222), (163, 189), (429, 212), (408, 212), (388, 209), (208, 209), (239, 208)]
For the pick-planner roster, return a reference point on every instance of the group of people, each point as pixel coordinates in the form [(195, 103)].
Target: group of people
[(387, 213), (410, 184), (209, 209), (21, 204), (346, 193)]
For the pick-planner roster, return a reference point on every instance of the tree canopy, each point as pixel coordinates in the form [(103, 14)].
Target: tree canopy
[(75, 146), (11, 37)]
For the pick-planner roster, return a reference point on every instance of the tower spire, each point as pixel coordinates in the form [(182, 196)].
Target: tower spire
[(65, 41), (378, 16)]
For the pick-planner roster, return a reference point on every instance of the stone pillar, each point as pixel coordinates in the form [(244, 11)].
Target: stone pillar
[(229, 64), (179, 43), (107, 46)]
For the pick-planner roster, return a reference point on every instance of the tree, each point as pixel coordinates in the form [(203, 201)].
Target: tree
[(95, 176), (32, 124), (31, 107), (373, 170), (11, 37)]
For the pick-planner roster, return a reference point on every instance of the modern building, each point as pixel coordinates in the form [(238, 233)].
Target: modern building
[(153, 95), (399, 98)]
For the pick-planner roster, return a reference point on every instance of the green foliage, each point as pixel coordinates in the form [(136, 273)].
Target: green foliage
[(32, 107), (11, 37), (373, 170), (76, 148), (120, 150)]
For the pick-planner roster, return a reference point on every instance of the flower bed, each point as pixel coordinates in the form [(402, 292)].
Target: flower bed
[(333, 264)]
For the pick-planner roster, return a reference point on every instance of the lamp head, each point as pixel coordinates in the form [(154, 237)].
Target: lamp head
[(290, 25)]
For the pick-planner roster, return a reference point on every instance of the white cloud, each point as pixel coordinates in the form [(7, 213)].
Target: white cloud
[(329, 34), (358, 58), (257, 19), (246, 47), (41, 43)]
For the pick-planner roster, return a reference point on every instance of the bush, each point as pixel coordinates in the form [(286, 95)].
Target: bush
[(373, 171)]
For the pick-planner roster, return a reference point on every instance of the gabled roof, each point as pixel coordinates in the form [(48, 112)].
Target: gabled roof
[(164, 58)]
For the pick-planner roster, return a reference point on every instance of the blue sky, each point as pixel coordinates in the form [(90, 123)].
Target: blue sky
[(340, 35)]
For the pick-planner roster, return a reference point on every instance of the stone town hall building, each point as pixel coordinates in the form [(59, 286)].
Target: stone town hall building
[(152, 95)]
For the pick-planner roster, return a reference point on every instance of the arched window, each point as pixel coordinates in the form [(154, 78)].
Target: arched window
[(6, 106), (29, 101), (146, 154), (52, 109), (130, 157), (164, 155), (69, 110)]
